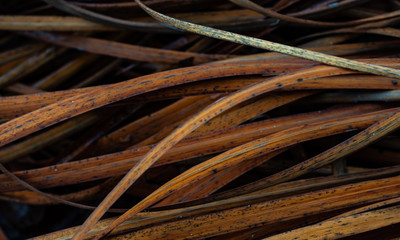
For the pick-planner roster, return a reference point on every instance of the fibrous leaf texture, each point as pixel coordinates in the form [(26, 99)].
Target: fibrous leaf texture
[(165, 119)]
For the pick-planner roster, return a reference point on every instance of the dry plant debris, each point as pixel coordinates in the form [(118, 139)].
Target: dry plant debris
[(167, 119)]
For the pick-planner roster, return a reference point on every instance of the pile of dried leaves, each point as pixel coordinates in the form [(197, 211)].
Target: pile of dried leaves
[(200, 119)]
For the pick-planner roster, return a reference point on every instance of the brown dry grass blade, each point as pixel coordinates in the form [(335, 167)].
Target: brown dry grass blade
[(367, 208), (240, 114), (51, 197), (208, 185), (354, 143), (46, 138), (123, 50), (193, 160), (29, 197), (96, 17), (276, 47), (78, 104), (29, 66), (218, 163), (13, 106), (121, 162), (299, 21), (59, 76), (262, 213), (196, 121), (18, 104), (211, 219), (50, 23), (19, 52), (226, 17), (141, 207), (344, 226)]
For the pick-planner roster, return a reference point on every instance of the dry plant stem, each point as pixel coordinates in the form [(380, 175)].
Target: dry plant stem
[(380, 28), (353, 144), (240, 114), (312, 184), (287, 18), (209, 184), (96, 17), (367, 208), (6, 68), (29, 66), (123, 50), (226, 86), (98, 97), (33, 198), (196, 121), (95, 98), (51, 81), (358, 97), (50, 23), (46, 138), (273, 194), (14, 106), (19, 52), (218, 163), (276, 47), (93, 78), (121, 162), (157, 27), (216, 222), (49, 196), (157, 121), (325, 7), (344, 226), (168, 124), (20, 103), (23, 89), (336, 49), (156, 81), (107, 123)]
